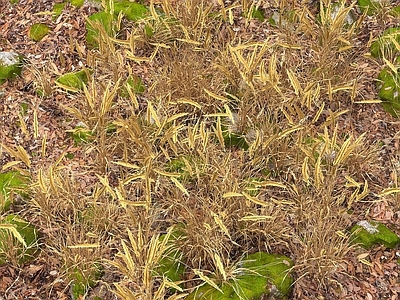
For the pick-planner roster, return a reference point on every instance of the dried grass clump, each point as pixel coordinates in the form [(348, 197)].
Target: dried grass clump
[(159, 158)]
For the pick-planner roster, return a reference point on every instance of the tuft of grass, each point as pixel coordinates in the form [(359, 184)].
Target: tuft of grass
[(232, 138)]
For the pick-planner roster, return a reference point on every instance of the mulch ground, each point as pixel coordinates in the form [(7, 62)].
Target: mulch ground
[(374, 274)]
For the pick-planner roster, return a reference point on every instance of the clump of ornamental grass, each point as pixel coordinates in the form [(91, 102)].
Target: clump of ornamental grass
[(78, 223), (234, 138)]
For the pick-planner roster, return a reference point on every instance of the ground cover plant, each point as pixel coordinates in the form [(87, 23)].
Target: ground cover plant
[(201, 149)]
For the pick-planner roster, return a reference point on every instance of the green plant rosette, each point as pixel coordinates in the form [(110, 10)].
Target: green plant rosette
[(77, 3), (20, 237), (10, 65), (11, 182), (262, 275), (38, 31)]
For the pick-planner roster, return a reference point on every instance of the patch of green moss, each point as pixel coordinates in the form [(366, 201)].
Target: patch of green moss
[(131, 10), (77, 3), (171, 264), (263, 274), (11, 182), (10, 66), (38, 31), (104, 19), (385, 45), (368, 234), (232, 139), (276, 268), (74, 81), (12, 230), (370, 6)]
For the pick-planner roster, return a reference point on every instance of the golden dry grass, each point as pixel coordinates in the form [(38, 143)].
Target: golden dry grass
[(291, 192)]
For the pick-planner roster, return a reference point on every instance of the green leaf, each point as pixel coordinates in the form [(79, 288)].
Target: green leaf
[(389, 91), (58, 9), (38, 31), (74, 81), (11, 181)]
